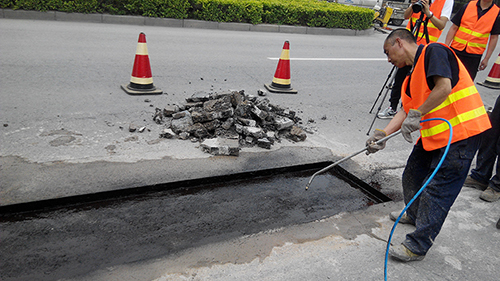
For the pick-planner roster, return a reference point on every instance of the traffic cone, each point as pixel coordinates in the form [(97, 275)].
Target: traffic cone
[(493, 79), (281, 80), (141, 82)]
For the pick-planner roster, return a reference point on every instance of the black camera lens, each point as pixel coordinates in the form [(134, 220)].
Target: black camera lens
[(417, 7)]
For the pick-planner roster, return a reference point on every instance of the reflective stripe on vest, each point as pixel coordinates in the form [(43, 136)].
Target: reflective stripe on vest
[(434, 33), (473, 33), (463, 107)]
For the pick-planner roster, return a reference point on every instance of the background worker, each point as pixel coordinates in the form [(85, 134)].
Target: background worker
[(436, 15), (472, 26), (480, 176), (437, 74)]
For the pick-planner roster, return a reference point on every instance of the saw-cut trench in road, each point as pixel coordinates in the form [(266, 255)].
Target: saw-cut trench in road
[(76, 239)]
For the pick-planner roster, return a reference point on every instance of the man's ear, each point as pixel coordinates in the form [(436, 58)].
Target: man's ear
[(399, 42)]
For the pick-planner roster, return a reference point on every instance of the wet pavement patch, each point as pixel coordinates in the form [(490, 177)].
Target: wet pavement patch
[(76, 239)]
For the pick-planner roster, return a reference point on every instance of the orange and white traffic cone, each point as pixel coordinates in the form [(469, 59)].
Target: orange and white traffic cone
[(281, 80), (493, 79), (141, 82)]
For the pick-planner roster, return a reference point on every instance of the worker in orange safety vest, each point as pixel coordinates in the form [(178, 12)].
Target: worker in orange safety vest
[(438, 86), (476, 23)]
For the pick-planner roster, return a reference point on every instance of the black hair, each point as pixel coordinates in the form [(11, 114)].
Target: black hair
[(402, 33)]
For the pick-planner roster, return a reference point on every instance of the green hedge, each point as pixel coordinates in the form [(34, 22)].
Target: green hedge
[(315, 13)]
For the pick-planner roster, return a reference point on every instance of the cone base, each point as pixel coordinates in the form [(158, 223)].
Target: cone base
[(273, 89), (489, 85), (153, 91)]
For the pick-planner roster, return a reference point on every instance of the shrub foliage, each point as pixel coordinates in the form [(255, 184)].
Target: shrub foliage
[(314, 13)]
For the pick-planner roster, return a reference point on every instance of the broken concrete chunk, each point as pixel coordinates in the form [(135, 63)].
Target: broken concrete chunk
[(237, 98), (228, 124), (220, 146), (197, 130), (167, 134), (169, 110), (254, 132), (218, 104), (199, 96), (261, 114), (282, 122), (221, 95), (249, 140), (244, 109), (181, 124), (264, 143), (247, 122), (297, 134), (132, 127), (184, 135), (192, 104)]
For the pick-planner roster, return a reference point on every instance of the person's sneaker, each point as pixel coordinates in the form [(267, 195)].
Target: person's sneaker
[(403, 254), (490, 195), (387, 113), (470, 182), (404, 218)]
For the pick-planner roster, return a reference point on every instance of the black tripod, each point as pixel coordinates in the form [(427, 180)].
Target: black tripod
[(390, 78)]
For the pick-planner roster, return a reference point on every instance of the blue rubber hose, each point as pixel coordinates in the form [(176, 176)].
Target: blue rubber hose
[(420, 190)]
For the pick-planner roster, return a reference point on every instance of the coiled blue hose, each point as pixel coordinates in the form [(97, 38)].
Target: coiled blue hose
[(420, 191)]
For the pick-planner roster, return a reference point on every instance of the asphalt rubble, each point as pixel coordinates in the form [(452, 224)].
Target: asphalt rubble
[(225, 122)]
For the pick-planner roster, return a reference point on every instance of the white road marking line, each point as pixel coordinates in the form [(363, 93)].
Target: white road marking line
[(335, 59)]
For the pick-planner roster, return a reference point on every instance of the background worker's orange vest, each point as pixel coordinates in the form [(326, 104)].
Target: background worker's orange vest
[(434, 33), (463, 107), (473, 34)]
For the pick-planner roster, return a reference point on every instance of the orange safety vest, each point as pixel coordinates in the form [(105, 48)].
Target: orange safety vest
[(434, 32), (463, 108), (473, 34)]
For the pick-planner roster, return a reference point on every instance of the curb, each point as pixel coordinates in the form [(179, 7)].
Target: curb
[(184, 23)]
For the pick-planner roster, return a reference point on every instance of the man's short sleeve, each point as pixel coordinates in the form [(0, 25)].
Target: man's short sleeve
[(447, 9), (457, 19), (440, 61), (496, 26)]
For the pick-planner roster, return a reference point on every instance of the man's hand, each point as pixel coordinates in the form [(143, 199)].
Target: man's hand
[(411, 124), (483, 65), (371, 142)]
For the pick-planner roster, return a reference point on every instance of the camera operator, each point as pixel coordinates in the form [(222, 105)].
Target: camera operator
[(437, 13), (434, 18)]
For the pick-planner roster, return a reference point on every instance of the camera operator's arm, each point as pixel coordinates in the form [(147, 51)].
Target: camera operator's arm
[(440, 23), (409, 10)]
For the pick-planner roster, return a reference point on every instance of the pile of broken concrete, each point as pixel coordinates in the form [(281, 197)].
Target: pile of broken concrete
[(226, 122)]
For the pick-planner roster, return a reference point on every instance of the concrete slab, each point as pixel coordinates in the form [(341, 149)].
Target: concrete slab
[(201, 24), (164, 22), (61, 16), (134, 20), (293, 29), (32, 15), (265, 28), (235, 26), (26, 182)]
